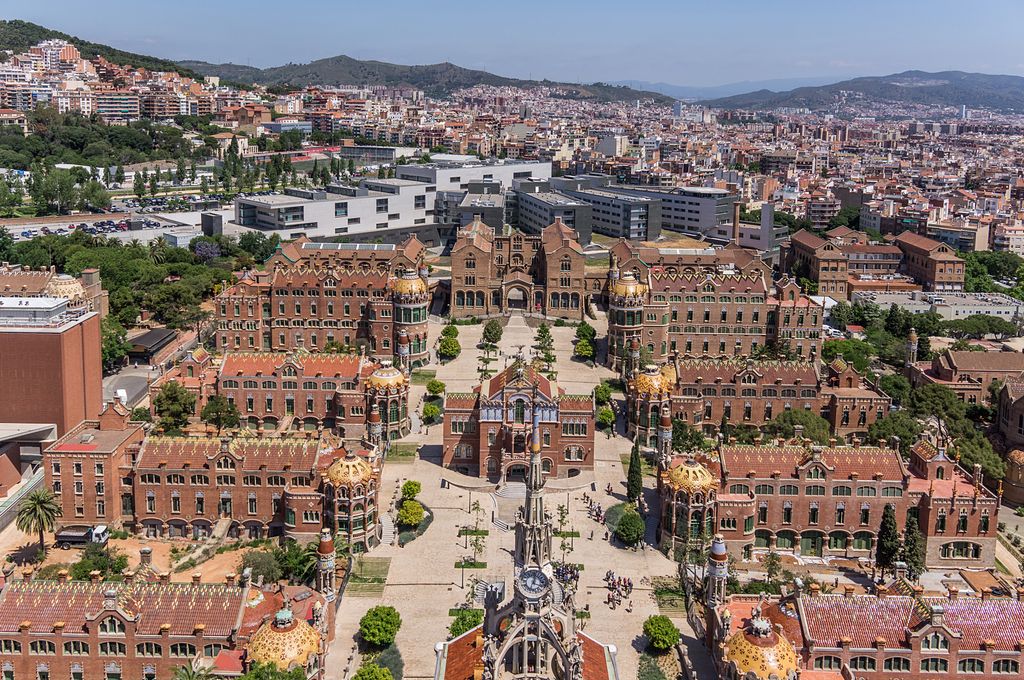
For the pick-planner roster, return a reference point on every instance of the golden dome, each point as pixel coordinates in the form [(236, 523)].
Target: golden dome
[(285, 643), (64, 286), (386, 376), (348, 471), (627, 286), (409, 283), (691, 477), (1016, 457), (651, 382), (761, 651)]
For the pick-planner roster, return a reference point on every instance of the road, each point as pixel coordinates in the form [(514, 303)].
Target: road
[(131, 379)]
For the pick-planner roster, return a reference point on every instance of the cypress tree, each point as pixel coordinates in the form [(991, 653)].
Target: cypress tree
[(913, 552), (888, 549), (635, 474)]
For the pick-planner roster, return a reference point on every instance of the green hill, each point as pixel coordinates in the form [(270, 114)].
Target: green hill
[(18, 36), (946, 88)]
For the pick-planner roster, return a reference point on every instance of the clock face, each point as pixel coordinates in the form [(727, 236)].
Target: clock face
[(533, 581)]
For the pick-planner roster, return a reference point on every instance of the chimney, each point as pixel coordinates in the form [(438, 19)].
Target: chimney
[(798, 432), (936, 615), (848, 592), (953, 592), (229, 579), (986, 593), (145, 556), (26, 573), (94, 575), (736, 222), (165, 577), (197, 577), (1020, 594), (814, 589), (882, 592)]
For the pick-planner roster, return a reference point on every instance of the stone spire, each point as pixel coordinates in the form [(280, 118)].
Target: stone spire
[(533, 530)]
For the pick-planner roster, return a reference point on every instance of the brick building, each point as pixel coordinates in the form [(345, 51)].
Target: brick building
[(900, 631), (486, 431), (315, 294), (496, 274), (50, 362), (146, 628), (968, 374), (279, 391), (829, 500), (701, 314), (256, 486), (933, 264), (704, 393)]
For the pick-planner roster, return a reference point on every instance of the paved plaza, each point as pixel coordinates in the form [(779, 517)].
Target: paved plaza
[(423, 583)]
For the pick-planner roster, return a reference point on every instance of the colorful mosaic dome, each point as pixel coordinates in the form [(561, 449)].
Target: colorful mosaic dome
[(761, 651), (286, 642), (627, 286), (386, 376), (349, 471), (1016, 457), (651, 382), (409, 283), (691, 477)]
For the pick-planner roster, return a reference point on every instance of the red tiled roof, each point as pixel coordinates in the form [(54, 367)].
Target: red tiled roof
[(273, 453), (327, 364), (999, 620), (845, 460), (182, 606), (862, 618)]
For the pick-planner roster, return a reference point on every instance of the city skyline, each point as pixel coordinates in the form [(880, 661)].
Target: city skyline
[(870, 39)]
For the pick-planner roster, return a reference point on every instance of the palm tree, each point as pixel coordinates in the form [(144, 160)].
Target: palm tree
[(158, 250), (38, 513), (189, 673)]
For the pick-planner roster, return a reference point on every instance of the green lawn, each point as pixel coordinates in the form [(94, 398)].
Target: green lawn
[(369, 576), (402, 453), (470, 565), (644, 465), (421, 376)]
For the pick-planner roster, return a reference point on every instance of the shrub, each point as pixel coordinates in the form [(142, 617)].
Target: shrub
[(586, 332), (431, 413), (371, 671), (411, 513), (449, 348), (450, 332), (466, 619), (493, 331), (602, 394), (661, 633), (435, 387), (108, 561), (262, 564), (584, 349), (631, 528), (141, 414), (411, 489), (605, 417), (379, 625)]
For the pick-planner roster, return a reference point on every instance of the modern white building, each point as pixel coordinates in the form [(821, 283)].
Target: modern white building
[(695, 211), (456, 176), (950, 306)]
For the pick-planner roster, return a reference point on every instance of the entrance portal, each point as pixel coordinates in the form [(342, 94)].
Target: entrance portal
[(515, 473), (516, 299)]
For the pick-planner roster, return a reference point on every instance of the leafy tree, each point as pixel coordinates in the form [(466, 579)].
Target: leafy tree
[(635, 474), (493, 331), (174, 405), (262, 563), (661, 633), (856, 352), (391, 659), (896, 386), (411, 489), (914, 547), (141, 414), (887, 549), (605, 417), (686, 437), (465, 620), (631, 527), (371, 671), (380, 625), (602, 393), (897, 424), (543, 339), (938, 401), (772, 564), (431, 413), (187, 672), (449, 348), (450, 331), (297, 562), (38, 513), (220, 413), (267, 671), (109, 561), (585, 350), (435, 387), (815, 427), (410, 514), (115, 343), (586, 332), (6, 245)]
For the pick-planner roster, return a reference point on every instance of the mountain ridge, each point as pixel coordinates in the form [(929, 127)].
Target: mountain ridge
[(940, 88)]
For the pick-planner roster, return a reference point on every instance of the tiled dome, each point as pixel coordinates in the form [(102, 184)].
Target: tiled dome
[(285, 643), (691, 477), (348, 471), (761, 651), (627, 286), (386, 376), (409, 283), (650, 383)]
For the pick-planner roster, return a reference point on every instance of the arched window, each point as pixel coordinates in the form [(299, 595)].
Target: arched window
[(970, 666), (934, 641), (828, 663), (546, 465), (862, 663), (897, 664), (225, 463), (934, 666), (111, 626)]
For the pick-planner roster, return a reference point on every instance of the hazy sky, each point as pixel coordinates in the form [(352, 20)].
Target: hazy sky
[(680, 42)]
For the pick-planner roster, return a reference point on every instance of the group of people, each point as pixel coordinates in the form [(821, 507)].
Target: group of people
[(568, 573), (594, 510), (619, 588)]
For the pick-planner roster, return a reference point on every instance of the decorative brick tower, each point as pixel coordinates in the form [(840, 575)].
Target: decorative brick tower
[(410, 297), (325, 567)]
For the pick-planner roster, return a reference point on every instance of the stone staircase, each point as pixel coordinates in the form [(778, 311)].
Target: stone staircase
[(220, 529), (501, 524), (387, 529), (513, 490)]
